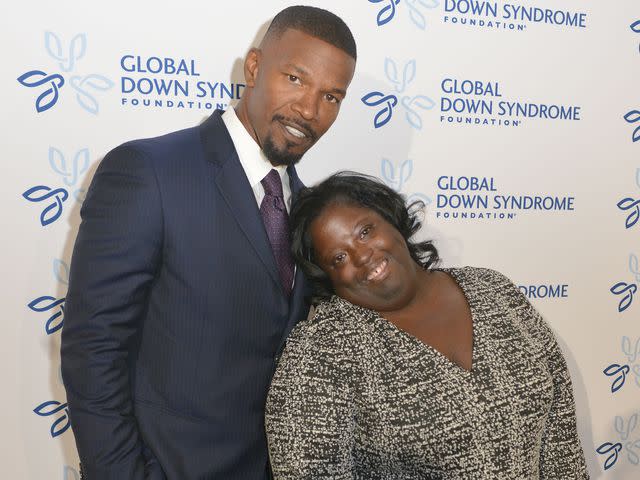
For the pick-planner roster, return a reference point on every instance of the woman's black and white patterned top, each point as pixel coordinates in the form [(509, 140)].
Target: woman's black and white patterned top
[(354, 397)]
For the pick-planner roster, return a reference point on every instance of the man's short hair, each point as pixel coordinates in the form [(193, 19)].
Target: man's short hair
[(316, 22)]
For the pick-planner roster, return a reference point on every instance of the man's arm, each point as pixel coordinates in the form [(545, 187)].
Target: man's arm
[(116, 256)]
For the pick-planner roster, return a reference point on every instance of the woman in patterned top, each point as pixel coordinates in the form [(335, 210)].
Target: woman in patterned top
[(407, 371)]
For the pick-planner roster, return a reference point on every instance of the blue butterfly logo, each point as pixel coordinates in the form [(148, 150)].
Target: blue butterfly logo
[(70, 171), (412, 105), (37, 78), (66, 59), (54, 408), (633, 116), (416, 11), (54, 198), (627, 290)]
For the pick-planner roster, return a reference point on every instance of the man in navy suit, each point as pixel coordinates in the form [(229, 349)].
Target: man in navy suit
[(178, 305)]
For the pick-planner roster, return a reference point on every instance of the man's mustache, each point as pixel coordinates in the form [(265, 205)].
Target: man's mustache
[(303, 127)]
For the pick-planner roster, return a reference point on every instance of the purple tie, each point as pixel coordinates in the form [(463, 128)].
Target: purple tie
[(276, 223)]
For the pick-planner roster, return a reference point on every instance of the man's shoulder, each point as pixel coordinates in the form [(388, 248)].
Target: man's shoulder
[(163, 144), (177, 146)]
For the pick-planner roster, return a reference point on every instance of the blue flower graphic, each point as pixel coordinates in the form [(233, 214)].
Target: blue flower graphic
[(70, 171), (50, 408), (411, 114), (631, 352), (613, 450), (84, 86), (42, 193), (628, 441), (627, 290), (375, 99), (633, 116), (391, 72), (37, 78), (416, 15), (399, 82), (625, 431), (632, 205), (388, 11), (397, 177), (618, 371), (61, 271), (635, 27), (411, 104), (46, 303), (54, 306), (66, 60), (629, 203), (636, 373), (70, 473)]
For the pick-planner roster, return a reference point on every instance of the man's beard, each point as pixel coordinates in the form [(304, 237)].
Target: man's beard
[(280, 156), (284, 156)]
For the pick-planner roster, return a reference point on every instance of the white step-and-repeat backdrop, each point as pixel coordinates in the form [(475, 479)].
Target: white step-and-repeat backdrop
[(517, 122)]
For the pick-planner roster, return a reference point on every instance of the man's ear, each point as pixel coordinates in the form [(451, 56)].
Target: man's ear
[(251, 66)]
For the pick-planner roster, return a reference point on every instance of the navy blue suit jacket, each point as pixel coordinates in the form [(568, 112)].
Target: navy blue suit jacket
[(174, 314)]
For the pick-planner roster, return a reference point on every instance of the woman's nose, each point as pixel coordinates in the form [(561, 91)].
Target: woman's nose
[(362, 255)]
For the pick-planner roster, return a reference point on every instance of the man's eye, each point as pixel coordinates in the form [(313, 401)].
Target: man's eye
[(332, 99), (294, 79), (365, 231), (339, 258)]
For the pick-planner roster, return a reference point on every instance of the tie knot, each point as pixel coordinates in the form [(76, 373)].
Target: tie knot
[(272, 184)]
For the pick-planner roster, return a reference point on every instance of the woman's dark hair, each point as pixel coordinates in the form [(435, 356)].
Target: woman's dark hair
[(360, 190)]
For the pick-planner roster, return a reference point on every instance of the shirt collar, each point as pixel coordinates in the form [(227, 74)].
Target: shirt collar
[(254, 162)]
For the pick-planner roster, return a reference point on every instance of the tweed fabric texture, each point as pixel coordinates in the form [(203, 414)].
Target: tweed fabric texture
[(354, 397)]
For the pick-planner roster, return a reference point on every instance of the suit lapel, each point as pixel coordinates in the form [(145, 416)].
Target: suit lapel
[(298, 307), (234, 187), (294, 182)]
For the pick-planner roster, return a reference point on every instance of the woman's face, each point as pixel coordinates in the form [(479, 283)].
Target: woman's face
[(365, 257)]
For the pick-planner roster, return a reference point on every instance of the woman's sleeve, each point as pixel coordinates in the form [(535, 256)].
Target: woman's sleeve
[(561, 453), (310, 412)]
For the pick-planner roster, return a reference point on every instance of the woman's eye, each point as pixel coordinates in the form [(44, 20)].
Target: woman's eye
[(365, 231), (339, 259)]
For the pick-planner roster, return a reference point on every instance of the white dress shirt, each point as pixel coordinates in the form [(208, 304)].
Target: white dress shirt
[(254, 162)]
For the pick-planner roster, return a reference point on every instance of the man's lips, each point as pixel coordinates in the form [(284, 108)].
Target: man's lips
[(378, 271), (296, 129), (295, 132)]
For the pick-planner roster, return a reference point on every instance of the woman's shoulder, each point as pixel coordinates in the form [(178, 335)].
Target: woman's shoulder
[(333, 320), (480, 278), (327, 342)]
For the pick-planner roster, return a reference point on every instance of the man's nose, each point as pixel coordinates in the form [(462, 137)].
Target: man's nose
[(306, 105)]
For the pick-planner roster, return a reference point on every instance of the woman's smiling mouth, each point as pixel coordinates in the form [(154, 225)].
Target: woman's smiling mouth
[(379, 271)]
